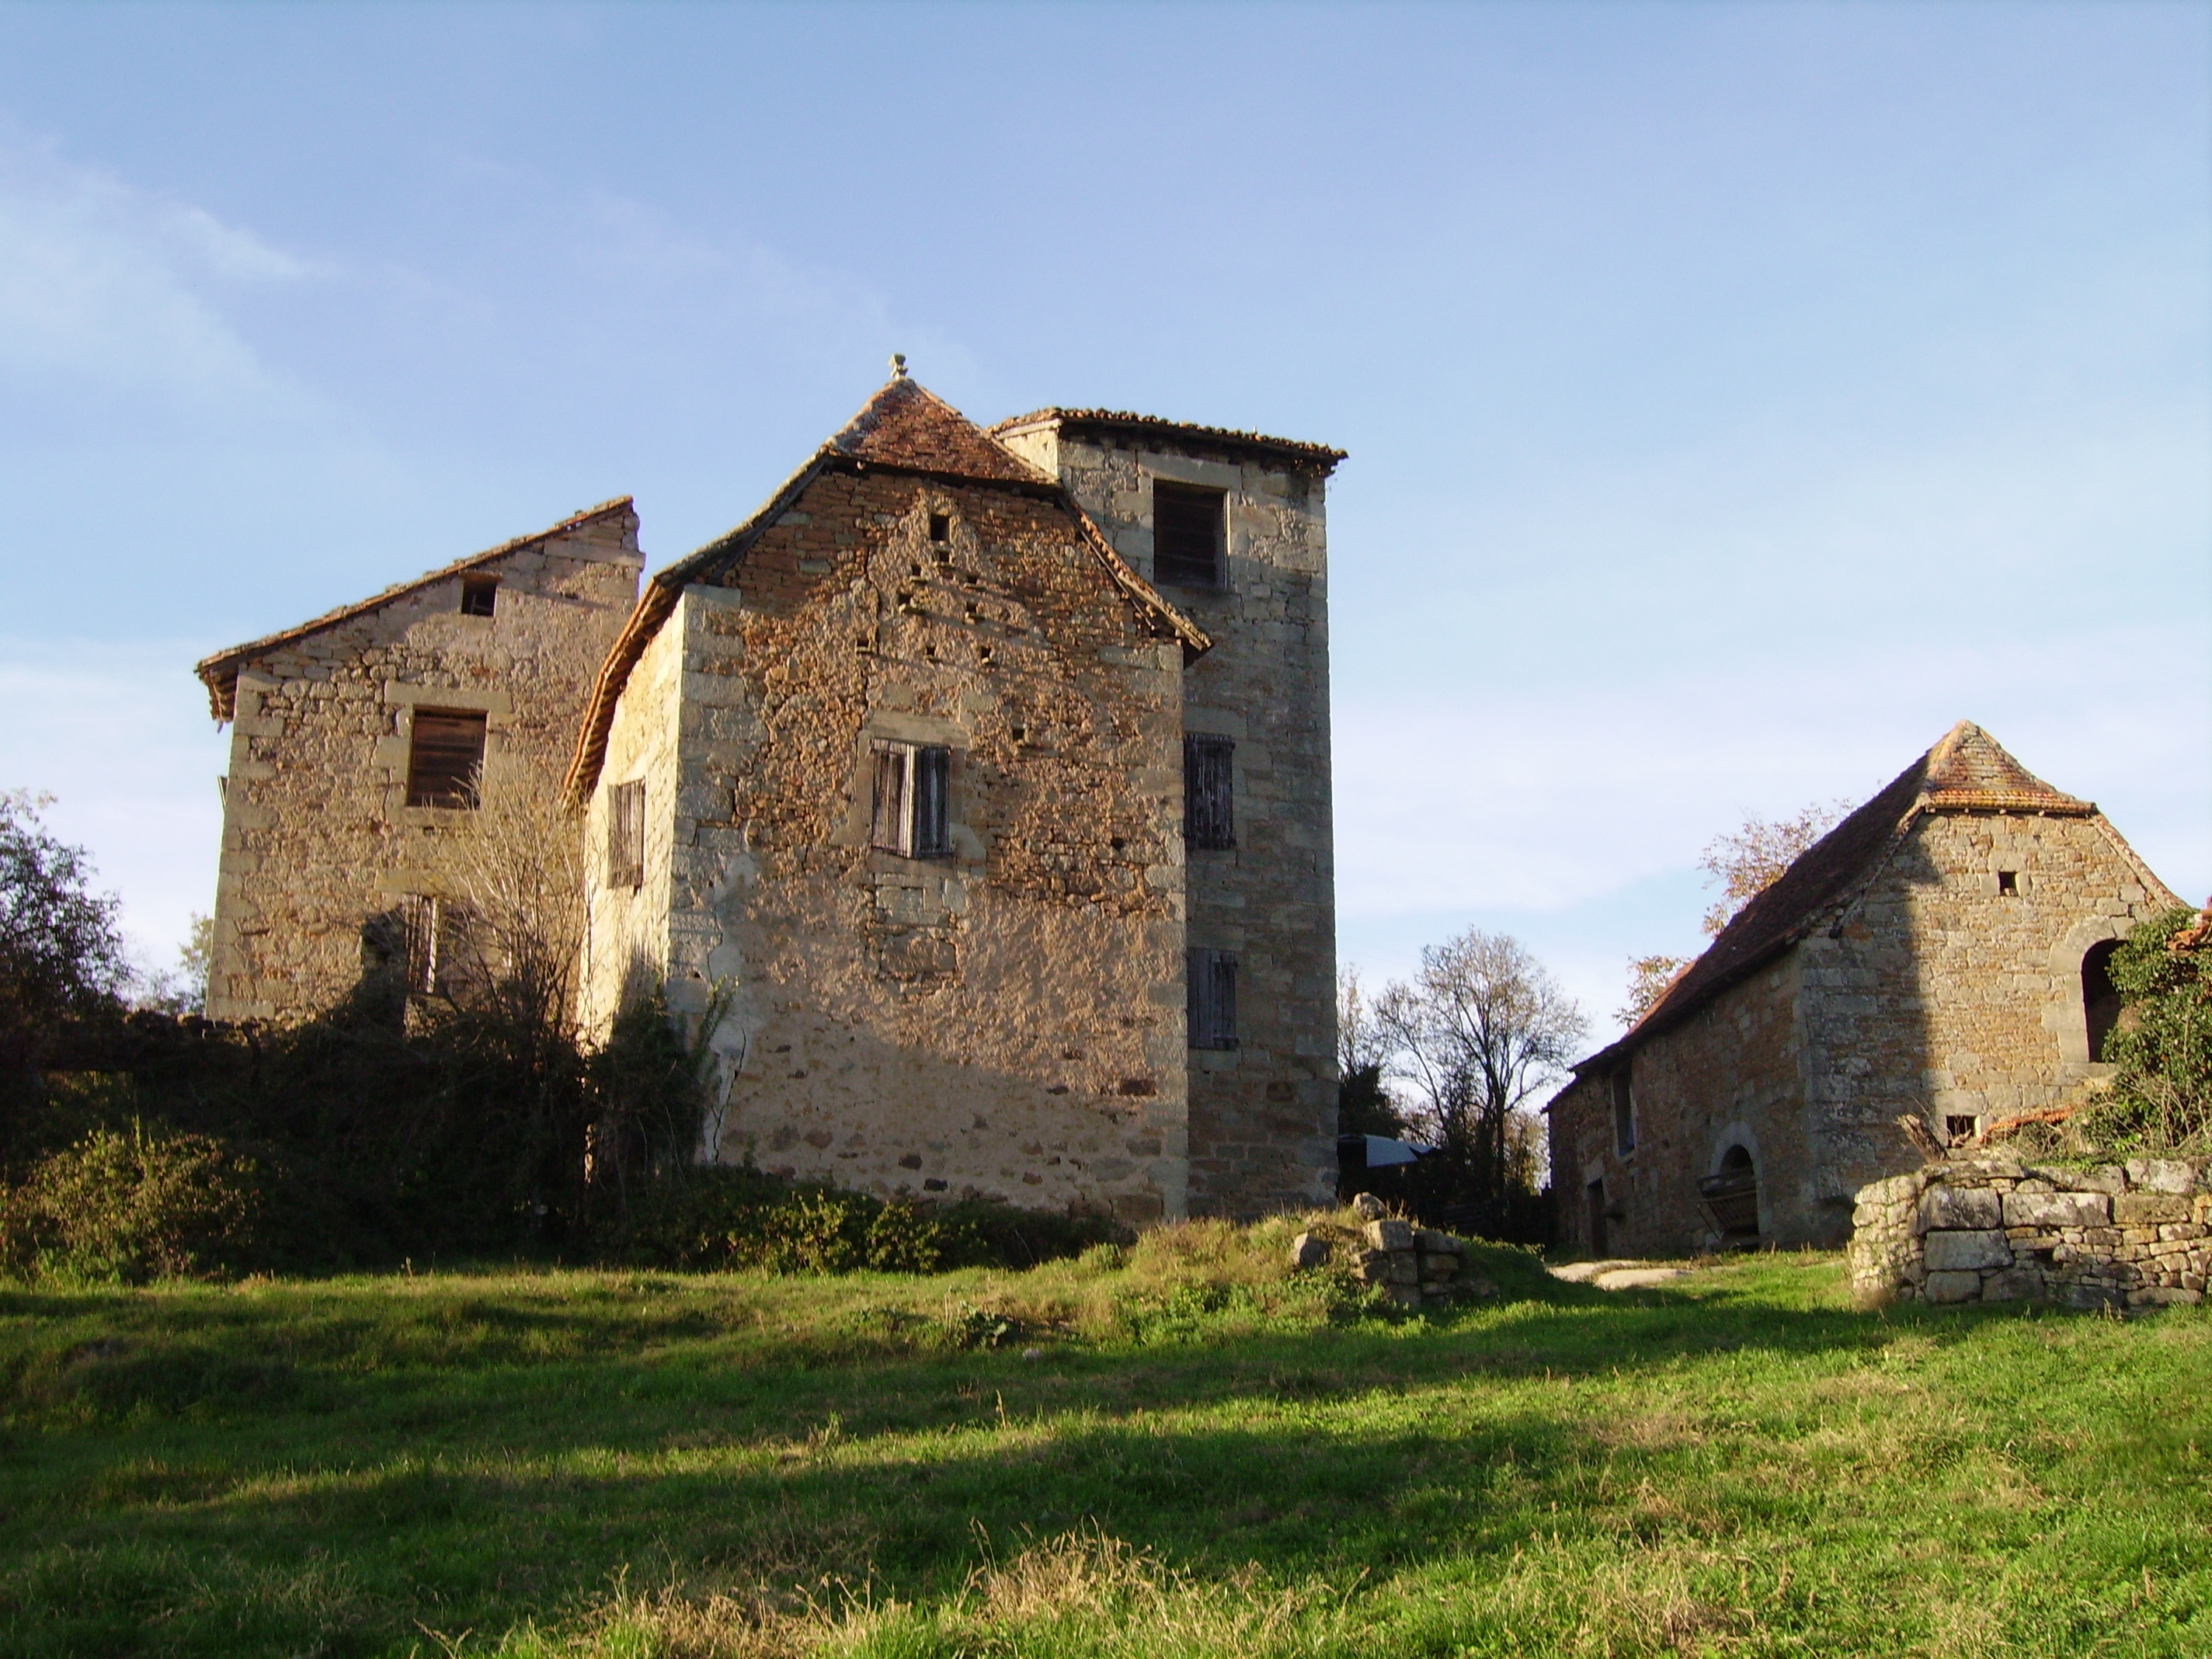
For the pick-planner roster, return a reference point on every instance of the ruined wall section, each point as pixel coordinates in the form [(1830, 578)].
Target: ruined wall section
[(1263, 1114), (318, 837), (1949, 994), (1006, 1022), (1729, 1077)]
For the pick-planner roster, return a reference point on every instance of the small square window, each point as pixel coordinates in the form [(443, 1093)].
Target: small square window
[(445, 758), (1211, 999), (1188, 534), (480, 595), (1958, 1128), (2008, 883), (940, 527), (912, 790)]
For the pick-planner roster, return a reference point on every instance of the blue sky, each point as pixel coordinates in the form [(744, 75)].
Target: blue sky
[(1737, 395)]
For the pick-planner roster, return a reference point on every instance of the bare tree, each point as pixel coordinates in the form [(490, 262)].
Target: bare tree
[(1482, 1028), (1364, 1105), (1745, 864)]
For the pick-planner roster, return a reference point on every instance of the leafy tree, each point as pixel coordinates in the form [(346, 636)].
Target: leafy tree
[(2162, 1093), (1745, 864), (62, 958)]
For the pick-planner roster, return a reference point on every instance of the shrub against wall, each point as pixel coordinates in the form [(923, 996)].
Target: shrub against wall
[(2161, 1096)]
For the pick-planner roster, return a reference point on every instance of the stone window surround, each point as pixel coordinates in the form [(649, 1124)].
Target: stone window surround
[(1203, 475), (899, 726), (494, 703)]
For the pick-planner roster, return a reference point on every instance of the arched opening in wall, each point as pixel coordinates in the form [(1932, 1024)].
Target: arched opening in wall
[(2100, 1001), (1731, 1196)]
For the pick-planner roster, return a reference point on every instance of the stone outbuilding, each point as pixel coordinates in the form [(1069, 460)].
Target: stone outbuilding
[(976, 787), (1935, 963)]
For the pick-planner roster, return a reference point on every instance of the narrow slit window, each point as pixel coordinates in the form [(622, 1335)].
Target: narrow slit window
[(480, 595), (1623, 1111), (626, 835), (445, 759), (1209, 814), (913, 797), (1212, 998), (1188, 534)]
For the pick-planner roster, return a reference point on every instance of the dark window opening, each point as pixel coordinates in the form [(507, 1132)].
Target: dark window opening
[(1212, 998), (1957, 1126), (626, 835), (913, 791), (2008, 883), (480, 595), (1624, 1110), (1209, 806), (941, 526), (1731, 1195), (1593, 1201), (2101, 997), (1188, 534), (445, 759)]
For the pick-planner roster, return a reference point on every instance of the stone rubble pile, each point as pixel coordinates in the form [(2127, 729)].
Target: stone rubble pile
[(2137, 1234), (1411, 1264)]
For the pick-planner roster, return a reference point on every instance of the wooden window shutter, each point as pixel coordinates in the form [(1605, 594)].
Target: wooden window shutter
[(1211, 999), (891, 825), (932, 788), (1187, 526), (626, 835), (445, 759), (1209, 817), (418, 917)]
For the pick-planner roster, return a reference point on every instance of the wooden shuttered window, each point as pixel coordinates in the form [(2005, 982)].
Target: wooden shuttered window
[(445, 759), (422, 936), (1209, 814), (626, 835), (1188, 525), (1212, 998), (913, 796)]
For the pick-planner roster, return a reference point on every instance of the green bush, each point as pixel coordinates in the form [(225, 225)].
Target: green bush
[(2161, 1095), (132, 1207)]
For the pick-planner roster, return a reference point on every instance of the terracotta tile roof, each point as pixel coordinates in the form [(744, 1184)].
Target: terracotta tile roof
[(1968, 771), (219, 672), (903, 427), (1121, 420)]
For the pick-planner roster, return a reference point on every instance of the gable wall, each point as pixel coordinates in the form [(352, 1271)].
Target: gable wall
[(1940, 996), (1007, 1022), (1263, 1115), (317, 834)]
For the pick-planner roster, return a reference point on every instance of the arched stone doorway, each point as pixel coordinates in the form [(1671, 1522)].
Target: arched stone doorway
[(1731, 1196), (2101, 999)]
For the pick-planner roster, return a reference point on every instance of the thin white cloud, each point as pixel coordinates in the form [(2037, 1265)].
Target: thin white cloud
[(106, 287)]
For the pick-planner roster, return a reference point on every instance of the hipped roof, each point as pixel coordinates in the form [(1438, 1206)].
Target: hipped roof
[(1968, 771), (219, 672), (905, 429)]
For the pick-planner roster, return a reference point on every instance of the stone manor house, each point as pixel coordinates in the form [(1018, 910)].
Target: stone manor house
[(1936, 961), (980, 780)]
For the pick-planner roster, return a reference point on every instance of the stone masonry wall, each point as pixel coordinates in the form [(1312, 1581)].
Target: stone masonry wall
[(1007, 1022), (1941, 996), (317, 834), (1990, 1230), (1728, 1077), (1263, 1114)]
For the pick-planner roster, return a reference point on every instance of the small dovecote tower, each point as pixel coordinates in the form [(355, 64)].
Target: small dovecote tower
[(1232, 528)]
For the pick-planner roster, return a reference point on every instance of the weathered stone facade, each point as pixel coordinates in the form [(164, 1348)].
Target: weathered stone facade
[(1003, 1015), (318, 837), (1984, 1229), (1263, 1113), (1925, 962)]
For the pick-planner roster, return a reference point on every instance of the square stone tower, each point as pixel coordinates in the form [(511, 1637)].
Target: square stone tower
[(1232, 528)]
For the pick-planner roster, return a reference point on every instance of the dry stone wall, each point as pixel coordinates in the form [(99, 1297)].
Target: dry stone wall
[(1263, 1113), (1990, 1230)]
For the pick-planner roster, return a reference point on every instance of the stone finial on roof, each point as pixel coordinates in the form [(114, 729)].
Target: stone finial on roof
[(898, 365)]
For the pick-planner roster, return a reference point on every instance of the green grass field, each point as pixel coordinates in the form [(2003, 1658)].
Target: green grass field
[(1176, 1451)]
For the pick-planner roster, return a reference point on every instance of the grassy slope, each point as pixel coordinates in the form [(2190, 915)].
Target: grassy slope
[(1215, 1462)]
